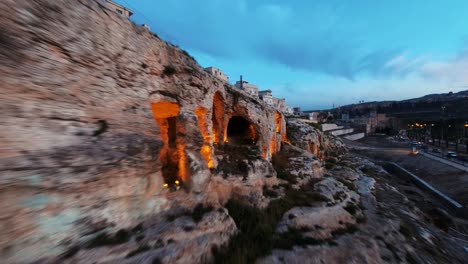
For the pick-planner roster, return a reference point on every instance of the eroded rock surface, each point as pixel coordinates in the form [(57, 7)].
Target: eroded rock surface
[(117, 147), (102, 121)]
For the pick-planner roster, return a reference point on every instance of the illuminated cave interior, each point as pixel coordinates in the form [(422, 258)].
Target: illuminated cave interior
[(172, 154), (217, 117), (241, 132)]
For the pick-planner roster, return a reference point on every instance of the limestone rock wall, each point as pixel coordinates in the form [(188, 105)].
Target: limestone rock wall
[(97, 116), (306, 137)]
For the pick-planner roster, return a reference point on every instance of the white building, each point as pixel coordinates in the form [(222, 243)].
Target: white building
[(289, 110), (266, 97), (217, 73), (314, 117)]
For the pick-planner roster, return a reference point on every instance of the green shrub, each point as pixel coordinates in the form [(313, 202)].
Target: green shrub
[(269, 193), (294, 237), (122, 236), (257, 227), (139, 250), (199, 211), (351, 208), (285, 175), (316, 126)]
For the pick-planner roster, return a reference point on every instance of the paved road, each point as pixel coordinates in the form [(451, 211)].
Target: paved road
[(451, 181)]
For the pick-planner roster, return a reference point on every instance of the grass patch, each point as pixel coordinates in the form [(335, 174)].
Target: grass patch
[(350, 228), (292, 238), (199, 211), (269, 193), (71, 252), (315, 125), (156, 261), (350, 185), (139, 250), (329, 165), (257, 227), (351, 208), (285, 175), (122, 236)]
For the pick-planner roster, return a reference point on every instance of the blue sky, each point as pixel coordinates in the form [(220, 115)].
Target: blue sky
[(322, 52)]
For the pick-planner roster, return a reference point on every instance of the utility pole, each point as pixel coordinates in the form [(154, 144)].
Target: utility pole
[(443, 126), (464, 137)]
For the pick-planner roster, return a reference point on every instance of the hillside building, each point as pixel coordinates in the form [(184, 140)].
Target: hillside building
[(247, 87), (120, 9), (217, 73)]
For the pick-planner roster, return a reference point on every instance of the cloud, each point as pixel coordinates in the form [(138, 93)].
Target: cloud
[(308, 38), (454, 70)]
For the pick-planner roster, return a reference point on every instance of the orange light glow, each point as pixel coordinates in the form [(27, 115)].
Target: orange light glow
[(217, 117), (206, 150), (165, 109), (278, 122), (264, 152), (272, 145), (214, 137), (225, 138), (207, 155), (172, 155), (285, 139), (253, 133), (182, 162)]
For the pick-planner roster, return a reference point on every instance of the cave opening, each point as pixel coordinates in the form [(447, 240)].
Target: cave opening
[(241, 132), (172, 154), (172, 131)]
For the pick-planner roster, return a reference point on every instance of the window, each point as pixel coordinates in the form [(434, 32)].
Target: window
[(119, 11)]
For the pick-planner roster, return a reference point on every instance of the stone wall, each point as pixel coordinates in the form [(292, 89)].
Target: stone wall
[(100, 120)]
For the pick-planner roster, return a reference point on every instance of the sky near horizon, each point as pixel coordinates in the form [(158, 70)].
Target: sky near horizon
[(323, 52)]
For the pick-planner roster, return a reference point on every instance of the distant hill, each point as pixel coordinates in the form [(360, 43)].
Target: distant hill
[(428, 107)]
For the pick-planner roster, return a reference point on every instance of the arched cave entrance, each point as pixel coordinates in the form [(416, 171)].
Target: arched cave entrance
[(172, 154), (241, 132)]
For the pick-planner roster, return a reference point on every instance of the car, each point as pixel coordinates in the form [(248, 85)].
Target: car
[(436, 150), (451, 154)]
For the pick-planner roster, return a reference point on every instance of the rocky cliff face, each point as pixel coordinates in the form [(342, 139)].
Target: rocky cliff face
[(102, 120), (116, 147)]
